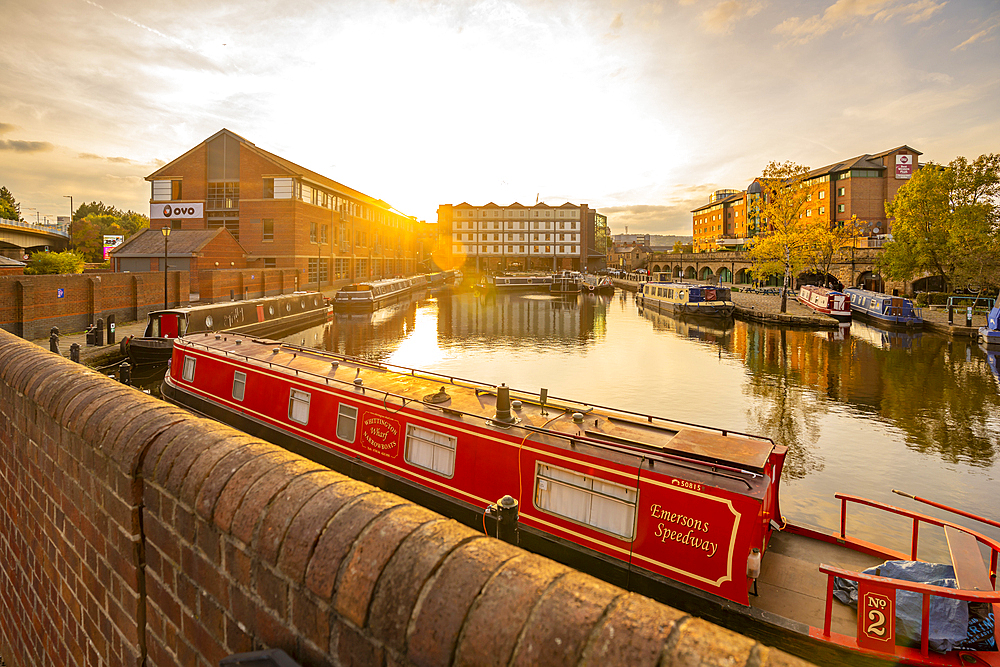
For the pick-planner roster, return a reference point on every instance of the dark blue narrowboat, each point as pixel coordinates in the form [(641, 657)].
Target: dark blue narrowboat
[(894, 311), (990, 334)]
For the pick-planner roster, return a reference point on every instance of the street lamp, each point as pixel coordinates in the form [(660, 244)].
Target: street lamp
[(166, 234)]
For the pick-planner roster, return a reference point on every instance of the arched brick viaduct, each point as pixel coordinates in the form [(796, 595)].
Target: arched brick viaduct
[(855, 268)]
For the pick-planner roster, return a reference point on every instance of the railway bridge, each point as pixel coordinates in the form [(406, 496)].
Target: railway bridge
[(851, 267), (18, 239)]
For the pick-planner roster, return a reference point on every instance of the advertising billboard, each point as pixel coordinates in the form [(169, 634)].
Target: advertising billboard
[(904, 166), (111, 242), (180, 211)]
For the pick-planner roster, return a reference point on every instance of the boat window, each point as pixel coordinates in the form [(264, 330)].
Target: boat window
[(302, 304), (270, 309), (347, 422), (298, 406), (430, 450), (288, 307), (589, 500), (208, 321), (187, 373), (239, 385)]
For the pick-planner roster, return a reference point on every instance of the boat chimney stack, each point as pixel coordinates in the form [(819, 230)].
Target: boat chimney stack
[(503, 414)]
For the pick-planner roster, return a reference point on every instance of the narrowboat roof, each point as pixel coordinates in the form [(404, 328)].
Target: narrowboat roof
[(716, 451), (186, 310)]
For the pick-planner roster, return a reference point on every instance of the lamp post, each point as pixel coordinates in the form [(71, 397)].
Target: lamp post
[(166, 234)]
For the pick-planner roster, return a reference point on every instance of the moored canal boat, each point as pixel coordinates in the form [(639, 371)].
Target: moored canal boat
[(370, 296), (686, 299), (599, 284), (826, 301), (566, 282), (520, 281), (266, 316), (989, 335), (686, 514), (884, 309)]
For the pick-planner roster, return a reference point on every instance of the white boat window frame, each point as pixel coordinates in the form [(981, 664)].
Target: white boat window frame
[(343, 416), (546, 476), (187, 371), (437, 443), (297, 398), (239, 379)]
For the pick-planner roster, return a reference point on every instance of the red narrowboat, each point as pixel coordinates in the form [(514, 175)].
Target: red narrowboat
[(685, 514), (827, 301)]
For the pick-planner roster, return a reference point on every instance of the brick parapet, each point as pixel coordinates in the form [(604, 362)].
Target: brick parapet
[(135, 533)]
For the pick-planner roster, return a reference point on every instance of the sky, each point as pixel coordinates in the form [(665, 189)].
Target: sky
[(640, 109)]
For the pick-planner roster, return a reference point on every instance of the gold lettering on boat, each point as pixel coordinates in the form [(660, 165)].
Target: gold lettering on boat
[(690, 538), (380, 434)]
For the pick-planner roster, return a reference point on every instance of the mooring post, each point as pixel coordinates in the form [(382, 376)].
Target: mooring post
[(507, 520), (54, 340), (74, 352), (125, 373)]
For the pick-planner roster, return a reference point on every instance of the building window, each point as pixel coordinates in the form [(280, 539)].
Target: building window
[(268, 229), (347, 422), (809, 213), (298, 406), (841, 191), (270, 262), (322, 234), (588, 500), (822, 210), (175, 190), (268, 188), (239, 385), (840, 208), (822, 194), (312, 232), (187, 373), (430, 450)]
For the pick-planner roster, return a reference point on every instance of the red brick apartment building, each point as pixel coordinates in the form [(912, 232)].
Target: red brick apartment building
[(859, 186), (519, 238), (284, 215)]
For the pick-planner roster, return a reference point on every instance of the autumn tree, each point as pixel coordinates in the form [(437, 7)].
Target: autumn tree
[(827, 242), (782, 246), (87, 232), (9, 208), (946, 223)]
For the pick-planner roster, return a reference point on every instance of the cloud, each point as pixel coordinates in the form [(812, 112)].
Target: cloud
[(721, 18), (6, 127), (846, 12), (992, 24), (25, 146), (115, 160), (649, 219)]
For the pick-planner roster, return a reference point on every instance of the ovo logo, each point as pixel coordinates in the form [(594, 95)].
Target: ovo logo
[(170, 211)]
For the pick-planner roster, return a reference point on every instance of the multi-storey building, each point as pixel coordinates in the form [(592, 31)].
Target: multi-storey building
[(519, 238), (860, 187), (282, 214)]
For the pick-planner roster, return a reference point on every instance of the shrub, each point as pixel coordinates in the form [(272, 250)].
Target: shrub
[(55, 263)]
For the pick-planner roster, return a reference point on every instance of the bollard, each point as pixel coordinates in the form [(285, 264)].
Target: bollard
[(54, 341), (968, 317), (111, 329), (99, 335), (951, 314), (125, 373), (507, 520), (91, 335), (74, 352)]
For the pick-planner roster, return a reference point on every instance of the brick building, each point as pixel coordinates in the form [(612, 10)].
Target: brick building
[(859, 186), (524, 238), (283, 215)]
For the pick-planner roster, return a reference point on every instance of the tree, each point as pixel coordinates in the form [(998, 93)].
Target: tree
[(783, 245), (9, 208), (87, 233), (946, 223), (55, 262), (96, 208), (828, 241)]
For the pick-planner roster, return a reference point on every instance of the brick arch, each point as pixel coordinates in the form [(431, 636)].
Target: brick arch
[(743, 277), (690, 273), (705, 273)]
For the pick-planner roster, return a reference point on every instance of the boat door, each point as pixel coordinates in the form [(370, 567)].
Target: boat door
[(170, 325)]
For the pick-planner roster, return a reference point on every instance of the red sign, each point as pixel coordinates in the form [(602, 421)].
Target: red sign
[(380, 434), (904, 166), (695, 533), (877, 617)]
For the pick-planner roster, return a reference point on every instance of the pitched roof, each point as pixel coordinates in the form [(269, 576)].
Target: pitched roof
[(866, 161), (182, 242), (288, 166)]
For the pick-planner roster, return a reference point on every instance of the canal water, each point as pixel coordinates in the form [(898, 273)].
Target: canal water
[(862, 411)]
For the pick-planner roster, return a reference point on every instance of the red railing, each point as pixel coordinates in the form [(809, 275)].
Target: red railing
[(917, 518), (925, 590)]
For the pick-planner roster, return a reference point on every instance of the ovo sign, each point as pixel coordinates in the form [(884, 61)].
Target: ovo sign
[(176, 211)]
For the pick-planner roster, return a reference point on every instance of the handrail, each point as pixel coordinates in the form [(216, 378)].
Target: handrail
[(637, 450), (917, 518), (925, 590)]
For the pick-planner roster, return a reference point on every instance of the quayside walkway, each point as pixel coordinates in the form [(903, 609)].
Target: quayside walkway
[(134, 533)]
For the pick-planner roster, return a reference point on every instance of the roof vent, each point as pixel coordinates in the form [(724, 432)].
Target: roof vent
[(275, 350), (334, 364), (516, 405), (503, 406), (577, 417), (440, 397), (358, 382)]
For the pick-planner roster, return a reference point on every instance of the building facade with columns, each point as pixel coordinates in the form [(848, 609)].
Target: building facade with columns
[(859, 186), (516, 237), (284, 215)]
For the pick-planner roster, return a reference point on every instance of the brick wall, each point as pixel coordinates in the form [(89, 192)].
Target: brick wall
[(217, 285), (136, 534), (31, 305)]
